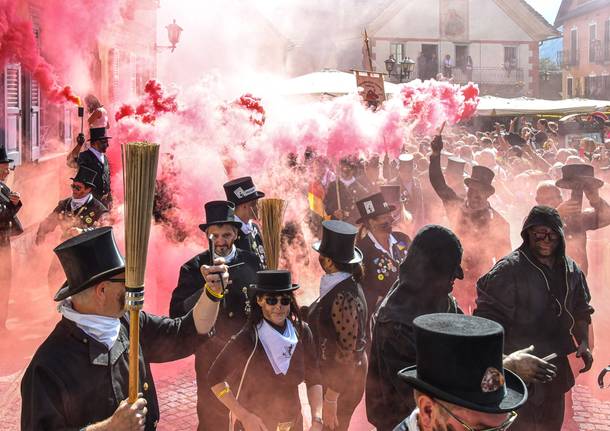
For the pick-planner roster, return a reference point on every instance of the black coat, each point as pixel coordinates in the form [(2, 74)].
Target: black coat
[(349, 196), (234, 309), (252, 242), (380, 269), (69, 384), (413, 201), (101, 191), (9, 223)]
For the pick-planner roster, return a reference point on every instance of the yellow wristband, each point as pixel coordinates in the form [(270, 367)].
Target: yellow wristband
[(214, 294), (224, 392)]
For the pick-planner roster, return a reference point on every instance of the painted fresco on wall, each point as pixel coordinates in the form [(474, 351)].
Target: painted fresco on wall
[(454, 19)]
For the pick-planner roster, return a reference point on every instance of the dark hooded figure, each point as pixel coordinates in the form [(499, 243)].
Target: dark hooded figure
[(540, 297), (424, 286)]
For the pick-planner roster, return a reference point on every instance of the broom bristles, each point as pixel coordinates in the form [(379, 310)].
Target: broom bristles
[(140, 161), (272, 216)]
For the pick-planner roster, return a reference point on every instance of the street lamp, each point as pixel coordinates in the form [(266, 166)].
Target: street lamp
[(389, 64), (545, 75), (404, 69), (173, 34), (407, 67)]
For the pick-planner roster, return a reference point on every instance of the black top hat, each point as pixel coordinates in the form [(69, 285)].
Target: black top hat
[(577, 176), (455, 166), (274, 281), (242, 190), (85, 176), (219, 212), (482, 177), (391, 193), (3, 156), (98, 133), (88, 259), (373, 206), (339, 242), (459, 360)]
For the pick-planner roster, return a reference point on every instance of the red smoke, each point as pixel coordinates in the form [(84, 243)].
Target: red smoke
[(253, 104), (153, 104)]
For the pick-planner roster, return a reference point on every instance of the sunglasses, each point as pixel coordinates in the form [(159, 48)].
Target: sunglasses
[(273, 300), (512, 416), (541, 236)]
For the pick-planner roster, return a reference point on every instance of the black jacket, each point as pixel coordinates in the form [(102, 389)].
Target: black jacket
[(349, 196), (535, 304), (234, 309), (423, 288), (380, 269), (101, 191), (413, 201), (252, 242), (74, 381), (9, 223)]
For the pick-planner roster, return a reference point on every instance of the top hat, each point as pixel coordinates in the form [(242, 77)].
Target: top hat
[(482, 177), (459, 360), (339, 242), (3, 156), (219, 212), (97, 134), (273, 281), (373, 206), (391, 193), (88, 259), (85, 176), (405, 159), (455, 166), (578, 175), (241, 190)]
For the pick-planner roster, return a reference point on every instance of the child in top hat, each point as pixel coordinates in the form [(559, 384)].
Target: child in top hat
[(338, 321)]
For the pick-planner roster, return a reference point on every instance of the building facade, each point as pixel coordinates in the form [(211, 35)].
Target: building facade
[(585, 58)]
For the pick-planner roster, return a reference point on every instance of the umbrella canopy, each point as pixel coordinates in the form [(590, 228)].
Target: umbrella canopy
[(490, 105), (327, 81)]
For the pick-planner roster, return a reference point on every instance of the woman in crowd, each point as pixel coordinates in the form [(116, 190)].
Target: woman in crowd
[(256, 376), (98, 116), (338, 322)]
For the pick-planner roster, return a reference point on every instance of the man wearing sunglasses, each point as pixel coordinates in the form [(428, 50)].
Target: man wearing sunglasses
[(79, 376), (77, 213), (541, 298), (459, 380)]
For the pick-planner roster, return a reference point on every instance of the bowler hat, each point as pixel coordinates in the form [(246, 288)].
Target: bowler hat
[(373, 206), (3, 156), (459, 360), (85, 176), (241, 190), (88, 259), (273, 281), (98, 134), (481, 177), (219, 212), (577, 176), (339, 242), (405, 159)]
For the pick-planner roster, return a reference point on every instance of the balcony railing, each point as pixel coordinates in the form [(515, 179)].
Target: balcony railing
[(568, 58), (489, 75)]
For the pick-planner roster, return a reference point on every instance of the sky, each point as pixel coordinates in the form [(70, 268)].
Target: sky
[(547, 8)]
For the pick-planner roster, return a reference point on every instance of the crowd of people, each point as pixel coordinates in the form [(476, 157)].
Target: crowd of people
[(426, 309)]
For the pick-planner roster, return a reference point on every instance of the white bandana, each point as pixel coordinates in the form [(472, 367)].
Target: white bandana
[(349, 182), (328, 281), (229, 257), (101, 328), (412, 420), (246, 227), (278, 347), (77, 203)]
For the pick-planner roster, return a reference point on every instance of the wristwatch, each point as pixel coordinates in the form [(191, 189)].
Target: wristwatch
[(317, 419)]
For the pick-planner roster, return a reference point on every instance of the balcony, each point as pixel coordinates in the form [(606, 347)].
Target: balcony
[(568, 58), (489, 75)]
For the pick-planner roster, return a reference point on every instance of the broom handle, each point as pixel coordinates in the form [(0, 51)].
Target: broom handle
[(337, 190), (134, 354)]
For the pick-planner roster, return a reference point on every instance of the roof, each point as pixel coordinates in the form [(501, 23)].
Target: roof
[(566, 11)]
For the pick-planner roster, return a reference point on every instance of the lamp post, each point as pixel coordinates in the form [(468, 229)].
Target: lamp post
[(399, 69), (173, 34), (545, 75)]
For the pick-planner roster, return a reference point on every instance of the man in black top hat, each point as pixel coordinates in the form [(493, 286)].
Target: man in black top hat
[(541, 298), (221, 229), (10, 204), (342, 193), (79, 212), (95, 159), (484, 233), (383, 248), (580, 179), (371, 178), (410, 191), (242, 192), (78, 378), (459, 380)]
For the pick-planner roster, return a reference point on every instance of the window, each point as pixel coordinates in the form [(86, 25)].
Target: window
[(592, 42), (569, 88), (397, 50), (607, 40), (510, 57), (461, 54), (573, 47)]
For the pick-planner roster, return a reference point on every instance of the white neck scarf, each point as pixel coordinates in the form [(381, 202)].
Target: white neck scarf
[(77, 203), (377, 245), (229, 257), (349, 182), (278, 347), (412, 420), (101, 328), (328, 281), (246, 227)]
